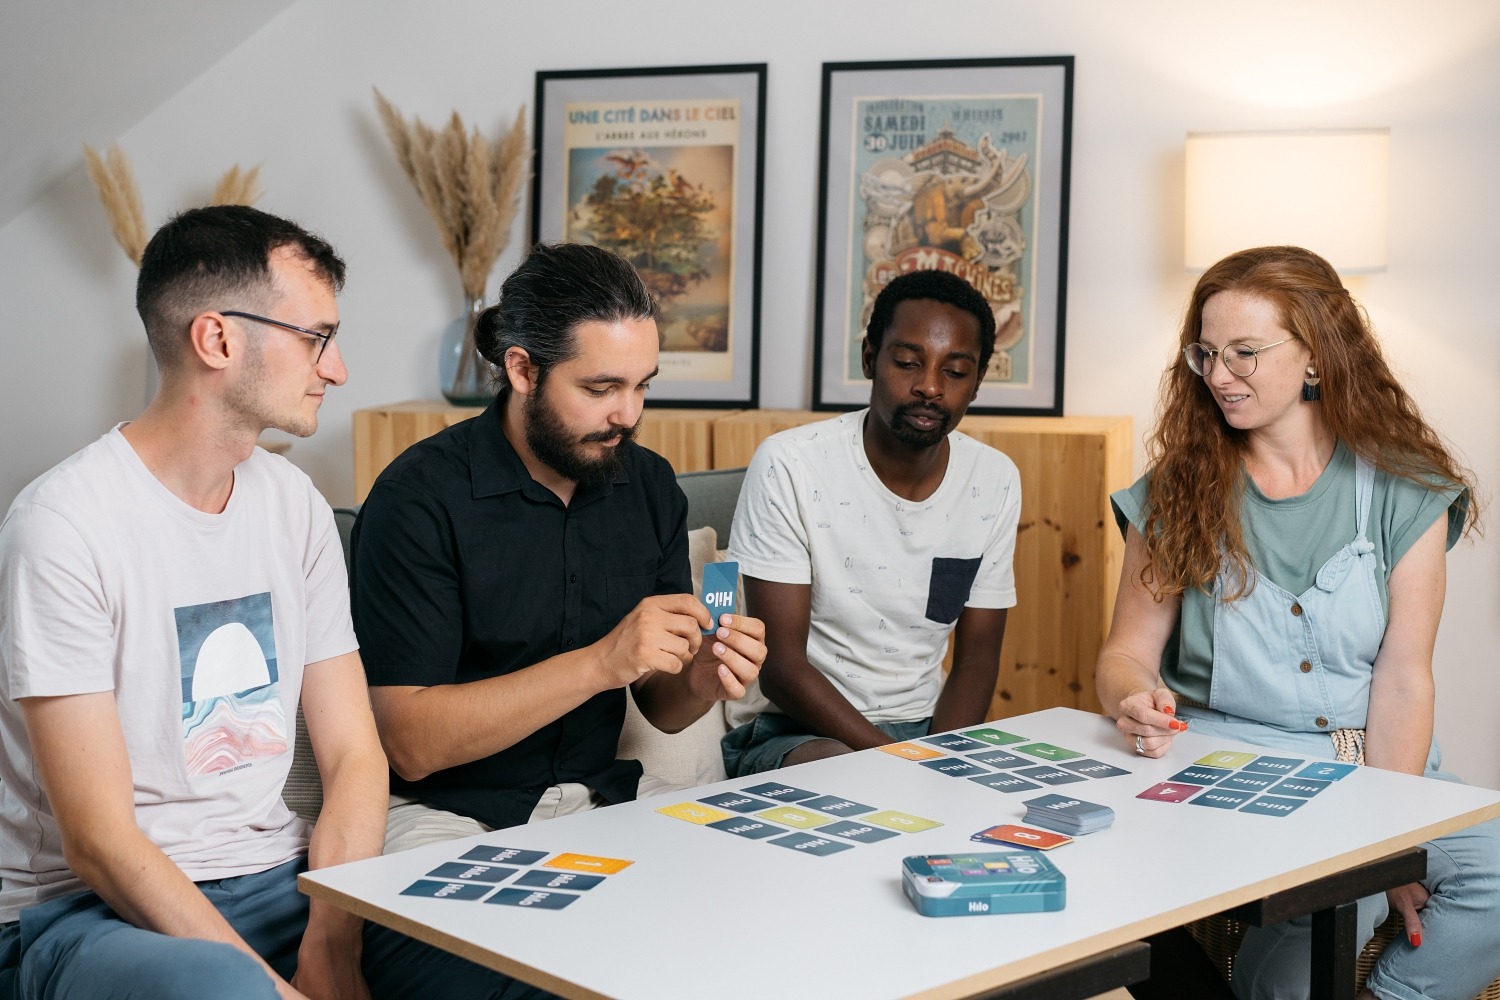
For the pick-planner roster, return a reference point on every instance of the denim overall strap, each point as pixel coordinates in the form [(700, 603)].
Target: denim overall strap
[(1302, 663)]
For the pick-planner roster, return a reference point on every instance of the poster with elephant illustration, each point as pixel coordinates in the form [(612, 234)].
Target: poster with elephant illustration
[(960, 166)]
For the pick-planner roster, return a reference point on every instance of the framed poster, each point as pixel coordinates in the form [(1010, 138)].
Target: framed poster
[(664, 167), (959, 165)]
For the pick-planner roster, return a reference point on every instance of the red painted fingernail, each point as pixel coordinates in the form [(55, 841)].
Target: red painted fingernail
[(1179, 726), (1170, 709), (1416, 940)]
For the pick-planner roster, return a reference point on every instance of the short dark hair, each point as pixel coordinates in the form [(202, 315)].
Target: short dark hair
[(217, 258), (941, 286), (557, 287)]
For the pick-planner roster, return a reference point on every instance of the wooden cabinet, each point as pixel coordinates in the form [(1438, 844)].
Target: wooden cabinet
[(683, 437), (1068, 550)]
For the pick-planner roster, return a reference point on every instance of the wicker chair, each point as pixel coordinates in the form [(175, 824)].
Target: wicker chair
[(1219, 937)]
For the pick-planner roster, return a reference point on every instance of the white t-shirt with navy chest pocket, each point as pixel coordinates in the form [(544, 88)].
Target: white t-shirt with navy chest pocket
[(889, 576)]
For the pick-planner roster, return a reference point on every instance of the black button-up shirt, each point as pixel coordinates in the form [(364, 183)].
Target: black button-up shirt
[(464, 567)]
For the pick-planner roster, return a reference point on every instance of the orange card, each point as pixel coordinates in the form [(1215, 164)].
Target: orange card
[(588, 863), (910, 751)]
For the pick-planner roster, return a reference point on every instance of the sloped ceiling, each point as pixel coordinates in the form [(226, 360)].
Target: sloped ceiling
[(76, 71)]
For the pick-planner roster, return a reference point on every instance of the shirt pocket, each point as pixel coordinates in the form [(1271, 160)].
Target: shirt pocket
[(952, 580)]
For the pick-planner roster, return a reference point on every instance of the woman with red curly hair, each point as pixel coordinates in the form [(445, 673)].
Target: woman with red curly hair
[(1283, 580)]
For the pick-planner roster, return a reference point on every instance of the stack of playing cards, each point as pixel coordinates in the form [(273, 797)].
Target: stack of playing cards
[(1066, 814)]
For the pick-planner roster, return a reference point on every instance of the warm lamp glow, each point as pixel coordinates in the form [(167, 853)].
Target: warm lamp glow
[(1326, 191)]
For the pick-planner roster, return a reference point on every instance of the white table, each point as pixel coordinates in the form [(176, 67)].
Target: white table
[(702, 912)]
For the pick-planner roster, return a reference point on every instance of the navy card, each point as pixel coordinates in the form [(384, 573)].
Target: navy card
[(574, 881), (836, 806), (735, 802), (1005, 782), (446, 890), (1051, 775), (862, 832), (1270, 805), (536, 899), (743, 826), (504, 855), (1304, 788), (999, 758), (806, 843), (1249, 782), (953, 767), (955, 743), (1066, 805), (459, 872), (1200, 775), (1274, 765), (781, 793), (721, 580), (1094, 768), (1223, 798)]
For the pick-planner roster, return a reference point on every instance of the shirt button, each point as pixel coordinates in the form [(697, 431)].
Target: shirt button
[(1297, 610), (1304, 666), (1320, 722), (573, 578), (568, 643)]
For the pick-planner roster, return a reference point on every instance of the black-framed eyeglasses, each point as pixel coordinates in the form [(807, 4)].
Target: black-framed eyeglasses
[(1240, 359), (324, 337)]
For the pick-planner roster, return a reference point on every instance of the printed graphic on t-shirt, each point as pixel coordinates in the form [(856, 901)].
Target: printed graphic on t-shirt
[(231, 695)]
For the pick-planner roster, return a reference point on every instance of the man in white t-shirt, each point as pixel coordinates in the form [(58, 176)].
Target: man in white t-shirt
[(865, 539), (167, 595)]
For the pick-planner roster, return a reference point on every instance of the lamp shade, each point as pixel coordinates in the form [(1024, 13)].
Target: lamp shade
[(1326, 191)]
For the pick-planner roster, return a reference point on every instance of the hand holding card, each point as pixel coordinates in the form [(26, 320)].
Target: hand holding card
[(720, 590)]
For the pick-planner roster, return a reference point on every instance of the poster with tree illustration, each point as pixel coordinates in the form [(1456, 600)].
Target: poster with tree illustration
[(663, 167)]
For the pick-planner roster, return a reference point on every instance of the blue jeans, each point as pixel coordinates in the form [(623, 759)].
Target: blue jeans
[(76, 947), (763, 743), (1460, 952)]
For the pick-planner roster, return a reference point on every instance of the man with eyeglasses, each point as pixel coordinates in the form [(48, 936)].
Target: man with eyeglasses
[(167, 595)]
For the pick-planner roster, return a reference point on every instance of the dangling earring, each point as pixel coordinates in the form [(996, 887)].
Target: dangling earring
[(1310, 391)]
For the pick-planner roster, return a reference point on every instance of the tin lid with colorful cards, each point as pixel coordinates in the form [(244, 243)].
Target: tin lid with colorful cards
[(952, 885)]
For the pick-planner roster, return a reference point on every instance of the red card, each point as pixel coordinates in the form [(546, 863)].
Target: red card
[(1022, 836)]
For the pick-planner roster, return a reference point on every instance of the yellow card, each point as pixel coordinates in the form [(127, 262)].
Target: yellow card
[(802, 819), (904, 822), (695, 812), (910, 751), (1226, 758), (588, 863)]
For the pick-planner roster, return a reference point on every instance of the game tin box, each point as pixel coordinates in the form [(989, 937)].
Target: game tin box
[(953, 885)]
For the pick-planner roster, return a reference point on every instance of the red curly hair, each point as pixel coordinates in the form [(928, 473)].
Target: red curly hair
[(1196, 459)]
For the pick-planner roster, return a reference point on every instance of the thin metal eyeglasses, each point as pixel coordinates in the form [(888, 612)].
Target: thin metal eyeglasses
[(1240, 359), (325, 338)]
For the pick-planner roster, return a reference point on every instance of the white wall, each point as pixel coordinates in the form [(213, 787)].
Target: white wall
[(296, 98)]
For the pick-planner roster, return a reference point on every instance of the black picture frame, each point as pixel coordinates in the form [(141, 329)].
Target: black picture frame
[(959, 164), (688, 142)]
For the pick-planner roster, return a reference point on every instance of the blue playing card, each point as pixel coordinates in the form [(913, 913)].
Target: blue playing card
[(836, 806), (735, 802), (999, 758), (955, 742), (1274, 765), (457, 871), (1051, 775), (1223, 798), (806, 843), (1303, 788), (1090, 768), (1005, 782), (574, 881), (446, 890), (744, 826), (1200, 775), (953, 767), (781, 793), (721, 581), (533, 898), (1249, 781), (1325, 772), (504, 855), (1270, 805), (862, 832)]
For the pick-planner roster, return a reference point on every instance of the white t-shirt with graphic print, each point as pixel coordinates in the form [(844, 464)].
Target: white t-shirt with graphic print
[(199, 623), (889, 576)]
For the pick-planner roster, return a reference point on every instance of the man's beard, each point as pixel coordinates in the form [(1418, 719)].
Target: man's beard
[(911, 436), (557, 447)]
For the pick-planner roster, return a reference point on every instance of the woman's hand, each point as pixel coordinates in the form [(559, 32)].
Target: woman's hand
[(1148, 720)]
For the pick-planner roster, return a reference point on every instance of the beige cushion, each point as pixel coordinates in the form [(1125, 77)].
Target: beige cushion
[(691, 757)]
